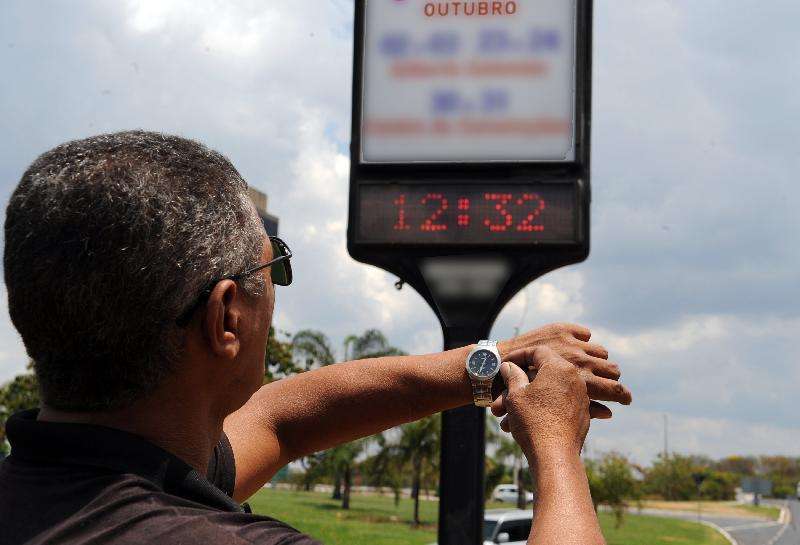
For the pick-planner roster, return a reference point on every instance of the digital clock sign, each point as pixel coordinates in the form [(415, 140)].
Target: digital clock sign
[(476, 214), (470, 174), (469, 81)]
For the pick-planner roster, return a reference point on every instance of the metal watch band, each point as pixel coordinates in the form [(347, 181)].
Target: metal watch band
[(482, 392), (482, 389)]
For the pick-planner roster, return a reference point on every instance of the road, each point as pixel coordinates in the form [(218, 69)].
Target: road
[(747, 530)]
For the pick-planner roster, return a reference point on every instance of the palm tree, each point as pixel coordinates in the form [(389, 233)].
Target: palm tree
[(314, 349), (419, 446), (371, 344), (415, 449), (384, 468), (508, 448)]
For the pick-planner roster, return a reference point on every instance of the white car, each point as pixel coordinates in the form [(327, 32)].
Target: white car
[(508, 493), (512, 526)]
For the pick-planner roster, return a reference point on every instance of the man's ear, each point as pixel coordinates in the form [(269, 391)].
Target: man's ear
[(222, 320)]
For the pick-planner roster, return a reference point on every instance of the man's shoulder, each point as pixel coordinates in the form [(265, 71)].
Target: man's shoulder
[(143, 514), (125, 509), (167, 519)]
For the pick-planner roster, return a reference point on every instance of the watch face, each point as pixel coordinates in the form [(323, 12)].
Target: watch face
[(483, 363)]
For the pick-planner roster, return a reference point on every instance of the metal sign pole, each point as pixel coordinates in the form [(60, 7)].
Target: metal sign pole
[(462, 462)]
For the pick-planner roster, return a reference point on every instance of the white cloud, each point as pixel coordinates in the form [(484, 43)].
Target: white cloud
[(678, 338), (557, 297), (639, 434)]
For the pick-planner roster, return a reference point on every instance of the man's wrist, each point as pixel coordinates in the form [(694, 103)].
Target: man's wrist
[(549, 455)]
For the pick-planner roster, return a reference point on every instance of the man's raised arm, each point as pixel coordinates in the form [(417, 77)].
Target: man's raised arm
[(323, 408)]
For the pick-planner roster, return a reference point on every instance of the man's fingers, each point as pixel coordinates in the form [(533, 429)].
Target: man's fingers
[(579, 332), (593, 349), (604, 389), (601, 367), (513, 376), (522, 356), (598, 410)]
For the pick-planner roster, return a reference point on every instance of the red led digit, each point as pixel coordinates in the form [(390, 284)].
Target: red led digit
[(502, 200), (535, 206), (463, 206), (400, 203), (430, 223)]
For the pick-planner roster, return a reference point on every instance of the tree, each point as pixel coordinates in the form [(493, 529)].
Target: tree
[(371, 344), (314, 349), (508, 448), (21, 393), (385, 469), (611, 482), (784, 472), (279, 362), (738, 465), (495, 473), (718, 486), (419, 448), (671, 478), (413, 449)]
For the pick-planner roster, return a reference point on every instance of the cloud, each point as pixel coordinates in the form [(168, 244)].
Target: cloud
[(639, 434)]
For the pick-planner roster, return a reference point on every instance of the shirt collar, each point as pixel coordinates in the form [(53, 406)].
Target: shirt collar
[(38, 441)]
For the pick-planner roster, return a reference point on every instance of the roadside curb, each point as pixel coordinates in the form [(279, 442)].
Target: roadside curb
[(785, 516), (785, 519), (722, 531)]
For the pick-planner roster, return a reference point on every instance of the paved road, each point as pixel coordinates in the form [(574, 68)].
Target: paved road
[(747, 530), (790, 534)]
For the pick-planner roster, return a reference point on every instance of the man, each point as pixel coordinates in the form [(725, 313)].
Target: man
[(142, 284)]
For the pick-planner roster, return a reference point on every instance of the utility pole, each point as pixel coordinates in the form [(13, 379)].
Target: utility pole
[(666, 436)]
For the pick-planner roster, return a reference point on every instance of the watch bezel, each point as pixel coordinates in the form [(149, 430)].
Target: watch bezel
[(482, 378)]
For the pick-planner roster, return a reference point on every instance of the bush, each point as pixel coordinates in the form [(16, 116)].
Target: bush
[(611, 483), (671, 478)]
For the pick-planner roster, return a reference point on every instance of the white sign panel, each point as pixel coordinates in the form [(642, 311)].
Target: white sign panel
[(472, 81)]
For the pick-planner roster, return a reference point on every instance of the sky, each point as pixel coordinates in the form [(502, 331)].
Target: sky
[(692, 281)]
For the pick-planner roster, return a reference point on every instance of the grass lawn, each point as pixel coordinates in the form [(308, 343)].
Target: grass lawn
[(374, 520), (767, 511), (717, 508)]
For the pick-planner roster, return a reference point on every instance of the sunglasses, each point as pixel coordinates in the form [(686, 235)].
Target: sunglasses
[(281, 275)]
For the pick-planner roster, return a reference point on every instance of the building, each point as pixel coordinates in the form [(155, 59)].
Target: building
[(260, 200)]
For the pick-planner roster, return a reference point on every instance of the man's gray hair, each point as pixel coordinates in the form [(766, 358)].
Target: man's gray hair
[(108, 241)]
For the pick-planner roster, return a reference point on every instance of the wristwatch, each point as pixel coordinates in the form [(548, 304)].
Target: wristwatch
[(483, 364)]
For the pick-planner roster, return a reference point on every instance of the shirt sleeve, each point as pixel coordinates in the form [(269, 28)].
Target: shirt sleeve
[(222, 466)]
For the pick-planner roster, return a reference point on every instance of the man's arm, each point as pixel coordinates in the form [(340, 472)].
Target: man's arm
[(320, 409), (549, 418)]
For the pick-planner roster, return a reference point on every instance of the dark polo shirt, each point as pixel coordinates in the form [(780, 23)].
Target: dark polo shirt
[(79, 484)]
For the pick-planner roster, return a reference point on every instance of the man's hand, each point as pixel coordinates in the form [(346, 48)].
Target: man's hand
[(549, 414), (549, 418), (571, 342)]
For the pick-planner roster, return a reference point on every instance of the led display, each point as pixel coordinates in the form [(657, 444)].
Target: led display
[(467, 214)]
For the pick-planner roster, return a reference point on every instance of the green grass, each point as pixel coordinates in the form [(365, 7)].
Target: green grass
[(375, 521), (763, 510)]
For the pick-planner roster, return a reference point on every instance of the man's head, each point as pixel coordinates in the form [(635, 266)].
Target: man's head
[(107, 241)]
